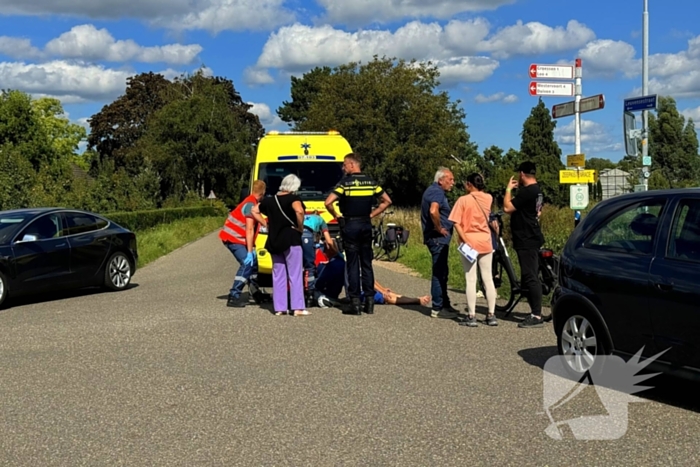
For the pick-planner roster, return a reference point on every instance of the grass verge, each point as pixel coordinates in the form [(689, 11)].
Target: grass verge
[(165, 238)]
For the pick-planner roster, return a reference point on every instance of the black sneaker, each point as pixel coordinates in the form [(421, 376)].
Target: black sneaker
[(470, 321), (531, 322), (236, 302), (450, 309), (491, 320), (261, 298)]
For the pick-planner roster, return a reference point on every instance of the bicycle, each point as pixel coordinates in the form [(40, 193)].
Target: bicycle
[(388, 242), (548, 272)]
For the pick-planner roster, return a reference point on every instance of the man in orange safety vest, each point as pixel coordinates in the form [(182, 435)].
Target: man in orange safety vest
[(238, 235)]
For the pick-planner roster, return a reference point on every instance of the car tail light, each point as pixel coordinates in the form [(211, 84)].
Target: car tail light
[(546, 253)]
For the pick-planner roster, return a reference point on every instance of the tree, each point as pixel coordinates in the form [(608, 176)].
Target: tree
[(303, 91), (21, 128), (538, 145), (599, 164), (63, 136), (203, 139), (116, 128), (673, 147), (392, 115)]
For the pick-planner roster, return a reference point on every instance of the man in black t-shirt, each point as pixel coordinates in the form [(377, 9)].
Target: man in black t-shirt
[(524, 210)]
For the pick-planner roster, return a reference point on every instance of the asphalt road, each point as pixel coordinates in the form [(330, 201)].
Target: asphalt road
[(166, 374)]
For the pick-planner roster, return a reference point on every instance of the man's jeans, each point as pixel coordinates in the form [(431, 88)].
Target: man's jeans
[(441, 270), (308, 247), (246, 274)]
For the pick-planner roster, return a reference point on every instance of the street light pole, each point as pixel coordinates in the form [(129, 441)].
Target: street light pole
[(645, 91)]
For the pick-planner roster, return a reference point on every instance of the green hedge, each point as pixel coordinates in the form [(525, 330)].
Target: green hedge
[(140, 220)]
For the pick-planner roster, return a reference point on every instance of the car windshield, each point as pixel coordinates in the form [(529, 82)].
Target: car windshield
[(9, 223), (317, 178)]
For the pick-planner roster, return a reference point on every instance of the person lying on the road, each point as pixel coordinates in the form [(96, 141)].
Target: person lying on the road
[(332, 279)]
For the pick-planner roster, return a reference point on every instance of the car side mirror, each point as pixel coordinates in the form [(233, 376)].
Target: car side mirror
[(28, 238)]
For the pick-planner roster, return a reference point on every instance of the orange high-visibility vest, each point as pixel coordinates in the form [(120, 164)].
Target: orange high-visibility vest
[(234, 227)]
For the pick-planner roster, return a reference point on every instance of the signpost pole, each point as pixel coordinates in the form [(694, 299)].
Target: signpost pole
[(645, 89), (577, 108)]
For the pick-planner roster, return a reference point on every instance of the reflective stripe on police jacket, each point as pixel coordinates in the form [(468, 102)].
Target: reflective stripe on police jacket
[(356, 193)]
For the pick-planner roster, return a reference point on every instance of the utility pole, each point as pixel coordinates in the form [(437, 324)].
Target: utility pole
[(645, 91)]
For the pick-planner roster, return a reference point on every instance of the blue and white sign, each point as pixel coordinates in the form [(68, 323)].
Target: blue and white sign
[(636, 104)]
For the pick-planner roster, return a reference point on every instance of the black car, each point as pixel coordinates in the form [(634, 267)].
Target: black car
[(629, 278), (54, 248)]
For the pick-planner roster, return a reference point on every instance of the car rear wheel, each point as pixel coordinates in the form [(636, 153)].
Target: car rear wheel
[(3, 289), (118, 272), (580, 341)]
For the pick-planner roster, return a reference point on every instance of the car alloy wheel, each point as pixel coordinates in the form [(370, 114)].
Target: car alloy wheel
[(3, 289), (579, 343), (120, 271)]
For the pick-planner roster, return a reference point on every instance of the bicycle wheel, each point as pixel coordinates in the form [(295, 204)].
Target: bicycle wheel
[(393, 249), (506, 292), (378, 245)]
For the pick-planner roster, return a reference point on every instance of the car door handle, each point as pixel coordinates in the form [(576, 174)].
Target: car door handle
[(664, 286), (60, 245)]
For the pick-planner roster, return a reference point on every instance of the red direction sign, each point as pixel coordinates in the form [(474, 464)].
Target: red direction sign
[(538, 88), (551, 71)]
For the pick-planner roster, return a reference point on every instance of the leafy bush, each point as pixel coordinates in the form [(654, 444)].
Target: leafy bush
[(140, 220)]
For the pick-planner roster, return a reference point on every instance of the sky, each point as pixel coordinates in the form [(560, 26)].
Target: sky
[(83, 51)]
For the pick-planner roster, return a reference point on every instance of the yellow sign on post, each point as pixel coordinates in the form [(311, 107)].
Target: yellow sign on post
[(576, 160), (577, 176)]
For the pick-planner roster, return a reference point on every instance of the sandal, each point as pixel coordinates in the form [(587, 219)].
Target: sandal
[(280, 313), (302, 313)]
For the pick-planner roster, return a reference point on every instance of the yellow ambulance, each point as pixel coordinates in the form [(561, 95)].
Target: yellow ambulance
[(316, 158)]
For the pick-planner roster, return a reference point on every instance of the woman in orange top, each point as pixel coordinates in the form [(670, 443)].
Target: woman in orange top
[(470, 215)]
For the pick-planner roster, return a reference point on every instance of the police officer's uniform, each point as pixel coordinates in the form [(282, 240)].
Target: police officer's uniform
[(356, 195)]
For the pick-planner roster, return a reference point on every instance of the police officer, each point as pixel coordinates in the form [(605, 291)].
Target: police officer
[(356, 193)]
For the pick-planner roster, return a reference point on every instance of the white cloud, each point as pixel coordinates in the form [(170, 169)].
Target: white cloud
[(266, 116), (454, 48), (537, 38), (253, 76), (498, 97), (686, 85), (692, 113), (210, 15), (16, 47), (76, 81), (70, 81), (86, 42), (360, 12), (233, 15), (84, 122), (465, 69), (608, 58), (595, 137), (677, 75)]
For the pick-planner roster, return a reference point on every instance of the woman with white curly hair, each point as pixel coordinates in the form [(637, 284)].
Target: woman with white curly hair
[(285, 223)]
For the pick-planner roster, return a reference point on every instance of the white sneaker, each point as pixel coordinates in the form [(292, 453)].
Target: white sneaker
[(479, 294), (443, 314), (324, 302)]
